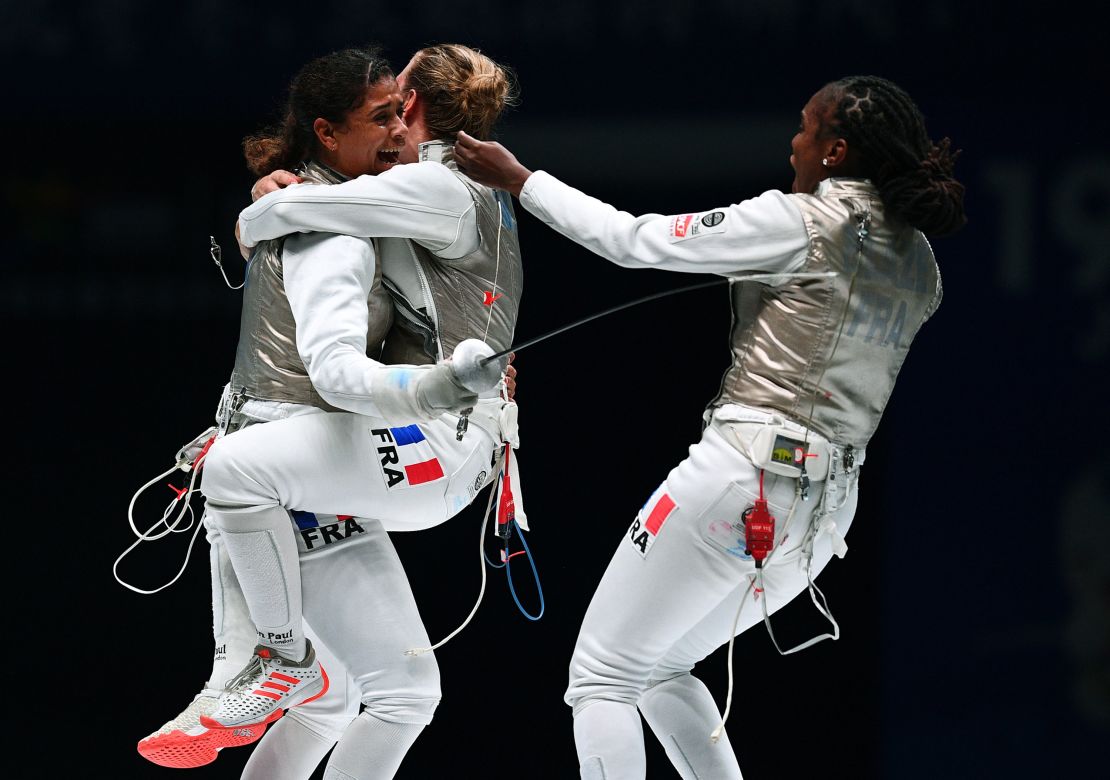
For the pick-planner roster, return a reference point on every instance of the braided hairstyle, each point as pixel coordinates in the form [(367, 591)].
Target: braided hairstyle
[(463, 89), (913, 175), (329, 87)]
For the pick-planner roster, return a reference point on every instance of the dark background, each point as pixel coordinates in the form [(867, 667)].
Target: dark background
[(975, 599)]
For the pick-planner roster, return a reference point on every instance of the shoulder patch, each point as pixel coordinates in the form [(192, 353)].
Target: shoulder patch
[(686, 226)]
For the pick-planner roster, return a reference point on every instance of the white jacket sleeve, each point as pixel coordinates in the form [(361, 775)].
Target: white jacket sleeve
[(766, 233), (328, 280), (422, 201)]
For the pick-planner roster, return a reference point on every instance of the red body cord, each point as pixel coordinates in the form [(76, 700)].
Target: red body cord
[(759, 528)]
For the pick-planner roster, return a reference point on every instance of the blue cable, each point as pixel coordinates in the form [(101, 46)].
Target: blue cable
[(490, 563), (535, 574)]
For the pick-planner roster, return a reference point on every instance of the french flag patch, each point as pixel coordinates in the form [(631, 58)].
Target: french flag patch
[(406, 457), (307, 520), (649, 521)]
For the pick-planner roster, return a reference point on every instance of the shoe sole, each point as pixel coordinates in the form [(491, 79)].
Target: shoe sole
[(215, 725), (179, 750)]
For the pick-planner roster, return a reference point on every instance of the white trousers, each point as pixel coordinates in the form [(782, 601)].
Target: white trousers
[(407, 477), (671, 591), (359, 476), (356, 590)]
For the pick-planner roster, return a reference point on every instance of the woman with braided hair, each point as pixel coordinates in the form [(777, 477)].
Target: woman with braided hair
[(829, 286)]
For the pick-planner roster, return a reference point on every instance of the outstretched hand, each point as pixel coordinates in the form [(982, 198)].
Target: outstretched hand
[(273, 182), (490, 163)]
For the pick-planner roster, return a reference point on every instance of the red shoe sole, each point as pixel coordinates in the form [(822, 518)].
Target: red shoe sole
[(183, 751), (215, 725)]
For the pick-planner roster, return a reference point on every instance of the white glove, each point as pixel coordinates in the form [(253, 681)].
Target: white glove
[(439, 390), (419, 393), (404, 393)]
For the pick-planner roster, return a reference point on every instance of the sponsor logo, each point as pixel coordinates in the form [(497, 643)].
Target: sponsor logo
[(275, 638), (221, 652), (688, 226), (242, 733), (681, 225), (479, 481)]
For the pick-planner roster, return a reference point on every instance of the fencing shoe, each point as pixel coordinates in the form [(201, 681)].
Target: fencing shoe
[(268, 685), (184, 742)]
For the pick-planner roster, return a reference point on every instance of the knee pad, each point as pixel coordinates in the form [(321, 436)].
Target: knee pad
[(270, 608), (259, 556)]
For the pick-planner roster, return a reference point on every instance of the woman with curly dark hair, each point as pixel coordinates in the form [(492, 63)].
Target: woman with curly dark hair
[(361, 437)]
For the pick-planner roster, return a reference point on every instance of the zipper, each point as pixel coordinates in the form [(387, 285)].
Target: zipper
[(419, 322), (429, 303)]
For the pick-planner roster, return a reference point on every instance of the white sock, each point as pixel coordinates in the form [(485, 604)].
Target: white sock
[(610, 741), (264, 553), (288, 751), (232, 628), (683, 714), (371, 749)]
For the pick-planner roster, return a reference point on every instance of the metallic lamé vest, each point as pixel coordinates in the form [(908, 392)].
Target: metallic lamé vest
[(825, 352), (268, 366), (442, 302)]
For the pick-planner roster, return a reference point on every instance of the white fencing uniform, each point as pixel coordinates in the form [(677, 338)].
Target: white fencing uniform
[(352, 476), (815, 351), (298, 742), (270, 383)]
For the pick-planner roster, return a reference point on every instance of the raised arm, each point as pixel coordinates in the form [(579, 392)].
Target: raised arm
[(423, 201), (766, 233)]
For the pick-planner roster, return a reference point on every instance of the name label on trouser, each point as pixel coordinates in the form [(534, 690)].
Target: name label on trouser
[(316, 531), (406, 457), (649, 522)]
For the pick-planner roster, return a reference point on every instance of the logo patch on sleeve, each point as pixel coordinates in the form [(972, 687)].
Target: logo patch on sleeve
[(649, 522), (406, 457), (686, 226)]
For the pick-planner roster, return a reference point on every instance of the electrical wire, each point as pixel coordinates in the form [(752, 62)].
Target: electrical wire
[(535, 574), (481, 590)]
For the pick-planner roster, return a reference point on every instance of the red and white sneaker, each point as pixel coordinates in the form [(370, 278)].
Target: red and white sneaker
[(266, 688), (184, 742)]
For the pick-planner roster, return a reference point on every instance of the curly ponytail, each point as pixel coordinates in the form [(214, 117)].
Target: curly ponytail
[(329, 87)]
